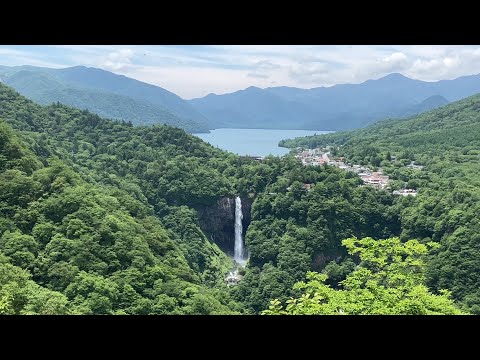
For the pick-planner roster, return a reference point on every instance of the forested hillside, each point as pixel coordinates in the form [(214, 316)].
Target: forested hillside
[(98, 217), (77, 233), (295, 230), (447, 142), (106, 94)]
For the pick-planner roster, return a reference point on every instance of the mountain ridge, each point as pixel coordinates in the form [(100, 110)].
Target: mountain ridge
[(107, 94), (338, 107)]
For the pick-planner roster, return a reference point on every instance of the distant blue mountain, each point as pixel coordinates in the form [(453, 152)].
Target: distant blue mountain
[(344, 106), (105, 93), (339, 107), (428, 104)]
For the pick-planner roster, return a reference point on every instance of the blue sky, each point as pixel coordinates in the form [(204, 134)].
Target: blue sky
[(197, 70)]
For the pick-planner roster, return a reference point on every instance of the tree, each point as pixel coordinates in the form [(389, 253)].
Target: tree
[(21, 295), (21, 249), (389, 280)]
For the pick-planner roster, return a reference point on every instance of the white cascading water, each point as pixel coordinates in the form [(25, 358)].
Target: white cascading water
[(239, 252)]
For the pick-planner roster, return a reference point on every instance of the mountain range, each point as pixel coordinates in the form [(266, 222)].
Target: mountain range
[(339, 107), (105, 93)]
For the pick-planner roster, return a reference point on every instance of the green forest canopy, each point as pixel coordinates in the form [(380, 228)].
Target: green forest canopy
[(99, 216), (447, 142), (388, 281)]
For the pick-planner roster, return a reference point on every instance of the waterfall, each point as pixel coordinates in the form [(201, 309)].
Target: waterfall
[(239, 252)]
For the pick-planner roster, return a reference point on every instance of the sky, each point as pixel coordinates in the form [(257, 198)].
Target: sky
[(192, 71)]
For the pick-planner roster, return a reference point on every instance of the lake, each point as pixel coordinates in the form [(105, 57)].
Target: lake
[(255, 142)]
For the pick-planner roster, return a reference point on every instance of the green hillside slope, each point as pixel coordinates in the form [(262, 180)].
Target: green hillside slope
[(101, 217), (447, 142), (78, 239), (47, 86)]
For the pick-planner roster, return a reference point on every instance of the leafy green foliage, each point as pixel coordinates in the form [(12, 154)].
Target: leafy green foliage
[(389, 280), (446, 142), (20, 295), (294, 230)]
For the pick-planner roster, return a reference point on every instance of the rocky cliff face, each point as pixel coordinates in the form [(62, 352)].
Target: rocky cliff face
[(218, 221)]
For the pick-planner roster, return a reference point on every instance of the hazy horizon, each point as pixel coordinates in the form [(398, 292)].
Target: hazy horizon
[(193, 71)]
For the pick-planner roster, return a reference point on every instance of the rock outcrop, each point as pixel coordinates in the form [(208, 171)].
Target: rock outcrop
[(217, 221)]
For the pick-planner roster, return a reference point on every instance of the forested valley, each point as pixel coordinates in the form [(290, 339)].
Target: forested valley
[(100, 217)]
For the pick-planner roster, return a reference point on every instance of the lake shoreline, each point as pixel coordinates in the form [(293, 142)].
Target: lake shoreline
[(253, 141)]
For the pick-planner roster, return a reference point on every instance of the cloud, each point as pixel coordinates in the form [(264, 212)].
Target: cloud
[(15, 57), (258, 75), (451, 62), (266, 65), (448, 67), (393, 62), (424, 66), (189, 82), (307, 72), (395, 58), (118, 60), (476, 52)]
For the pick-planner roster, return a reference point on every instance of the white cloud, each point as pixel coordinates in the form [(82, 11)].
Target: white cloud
[(305, 72), (450, 62), (476, 52), (395, 58), (258, 75), (452, 65), (426, 65), (118, 60), (266, 65)]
